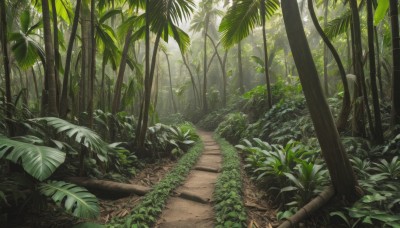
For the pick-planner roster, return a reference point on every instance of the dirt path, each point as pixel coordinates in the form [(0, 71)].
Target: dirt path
[(191, 205)]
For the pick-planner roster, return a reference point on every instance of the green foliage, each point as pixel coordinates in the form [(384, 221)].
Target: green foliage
[(39, 161), (232, 127), (229, 207), (145, 213), (211, 121), (291, 172), (81, 135), (76, 200), (380, 12)]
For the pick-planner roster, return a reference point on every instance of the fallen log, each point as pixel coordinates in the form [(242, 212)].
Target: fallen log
[(309, 208), (207, 169), (109, 188)]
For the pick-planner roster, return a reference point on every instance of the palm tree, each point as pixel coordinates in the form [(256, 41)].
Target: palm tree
[(242, 17), (161, 17), (340, 169)]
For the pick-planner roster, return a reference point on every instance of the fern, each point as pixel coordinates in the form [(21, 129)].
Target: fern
[(39, 161), (76, 200), (81, 135)]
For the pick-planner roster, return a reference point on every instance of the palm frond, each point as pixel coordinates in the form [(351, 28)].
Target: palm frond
[(76, 200), (338, 25), (39, 161), (242, 17), (82, 135)]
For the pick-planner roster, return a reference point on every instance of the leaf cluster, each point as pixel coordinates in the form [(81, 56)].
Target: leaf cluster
[(228, 195)]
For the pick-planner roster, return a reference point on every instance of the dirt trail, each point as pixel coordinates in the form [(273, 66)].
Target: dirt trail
[(191, 205)]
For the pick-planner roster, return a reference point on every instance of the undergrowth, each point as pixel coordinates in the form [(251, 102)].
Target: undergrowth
[(145, 213), (229, 208)]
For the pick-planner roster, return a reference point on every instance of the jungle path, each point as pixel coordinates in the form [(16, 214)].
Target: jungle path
[(191, 204)]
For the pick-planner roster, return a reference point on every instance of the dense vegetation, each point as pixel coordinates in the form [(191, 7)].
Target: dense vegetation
[(100, 89)]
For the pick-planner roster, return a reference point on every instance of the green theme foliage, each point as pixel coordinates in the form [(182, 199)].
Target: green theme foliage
[(228, 195)]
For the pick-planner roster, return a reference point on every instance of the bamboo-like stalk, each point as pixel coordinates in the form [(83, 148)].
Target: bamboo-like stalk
[(309, 208)]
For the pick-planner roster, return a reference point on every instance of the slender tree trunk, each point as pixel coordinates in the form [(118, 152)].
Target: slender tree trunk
[(64, 93), (326, 86), (85, 60), (92, 62), (52, 109), (240, 69), (267, 78), (346, 105), (170, 84), (205, 105), (394, 21), (195, 92), (7, 72), (35, 83), (378, 63), (378, 134), (56, 52), (340, 169)]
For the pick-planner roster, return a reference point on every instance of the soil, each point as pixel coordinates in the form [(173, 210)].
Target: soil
[(192, 204)]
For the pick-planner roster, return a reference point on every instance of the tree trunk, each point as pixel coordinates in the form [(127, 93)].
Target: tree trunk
[(359, 71), (195, 92), (340, 169), (394, 21), (7, 72), (240, 68), (205, 105), (346, 105), (121, 73), (52, 109), (56, 52), (326, 86), (378, 134), (64, 93), (92, 62), (170, 83), (267, 79), (378, 64), (85, 61)]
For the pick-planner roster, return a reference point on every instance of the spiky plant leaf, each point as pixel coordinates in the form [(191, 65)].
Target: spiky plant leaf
[(39, 161), (75, 199), (82, 135), (338, 25)]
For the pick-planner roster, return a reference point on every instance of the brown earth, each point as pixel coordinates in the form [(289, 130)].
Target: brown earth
[(192, 204)]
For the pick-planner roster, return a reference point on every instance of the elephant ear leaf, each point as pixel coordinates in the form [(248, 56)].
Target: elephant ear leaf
[(74, 199), (82, 135), (39, 161)]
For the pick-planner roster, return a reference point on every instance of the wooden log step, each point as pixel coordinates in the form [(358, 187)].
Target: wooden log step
[(207, 169)]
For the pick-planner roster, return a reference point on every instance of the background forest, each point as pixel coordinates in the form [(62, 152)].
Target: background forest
[(102, 89)]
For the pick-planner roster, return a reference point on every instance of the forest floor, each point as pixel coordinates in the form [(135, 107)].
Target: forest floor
[(190, 205)]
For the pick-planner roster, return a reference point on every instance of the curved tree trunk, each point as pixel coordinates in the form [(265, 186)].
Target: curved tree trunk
[(52, 109), (340, 169), (7, 71), (267, 79), (378, 135), (195, 92), (346, 105), (326, 86), (394, 21), (205, 105), (64, 93)]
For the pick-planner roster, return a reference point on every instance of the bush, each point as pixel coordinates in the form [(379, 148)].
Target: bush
[(232, 127)]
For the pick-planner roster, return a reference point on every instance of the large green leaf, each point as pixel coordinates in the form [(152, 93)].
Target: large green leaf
[(82, 135), (338, 25), (380, 11), (76, 200), (39, 161), (242, 17)]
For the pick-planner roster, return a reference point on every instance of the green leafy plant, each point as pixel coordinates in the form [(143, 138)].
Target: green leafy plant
[(232, 127), (229, 208), (145, 214)]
